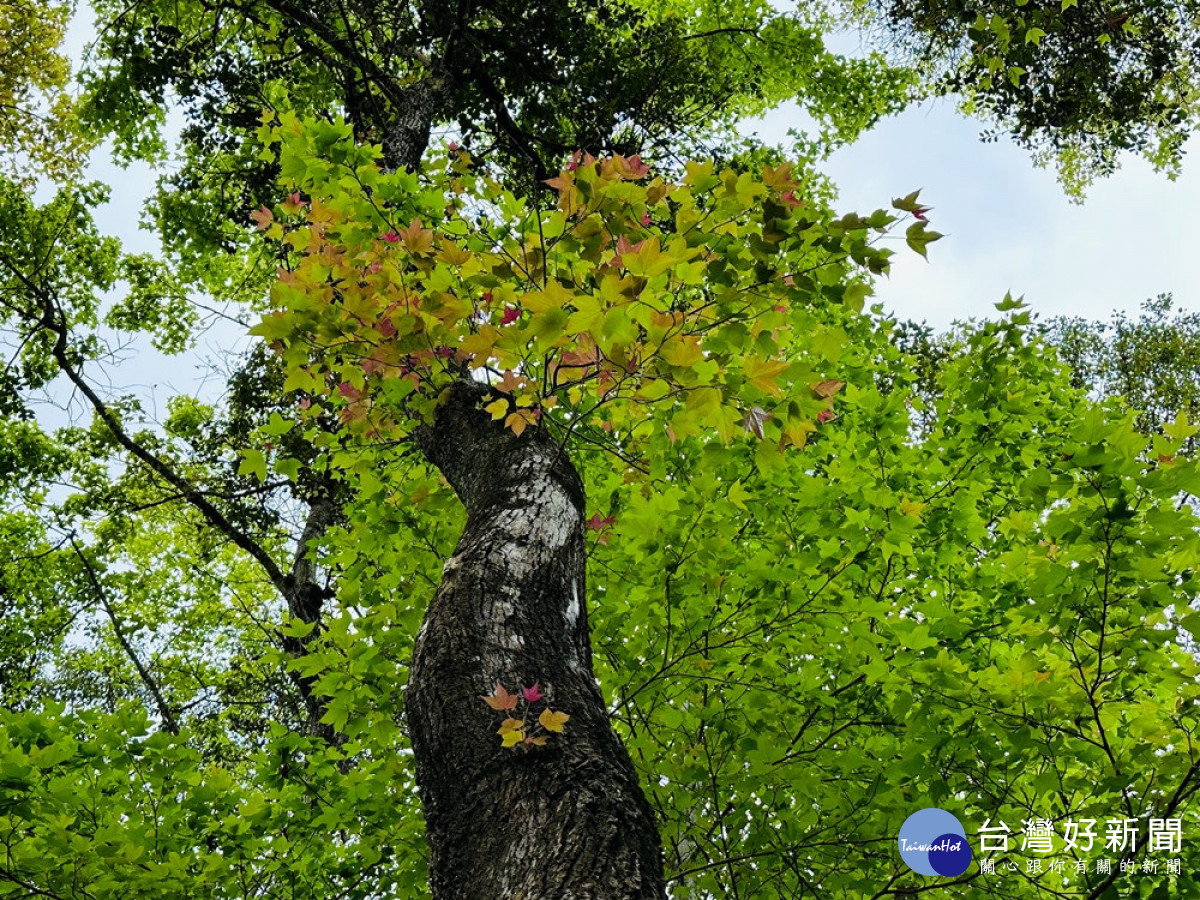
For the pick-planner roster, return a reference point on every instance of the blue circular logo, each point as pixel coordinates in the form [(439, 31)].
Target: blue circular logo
[(932, 842)]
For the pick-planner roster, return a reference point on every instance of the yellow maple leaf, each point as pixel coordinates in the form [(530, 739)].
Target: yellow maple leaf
[(682, 351), (762, 373), (454, 254), (552, 721), (479, 345), (511, 738), (779, 178), (511, 724), (498, 408), (797, 431), (519, 421), (912, 508)]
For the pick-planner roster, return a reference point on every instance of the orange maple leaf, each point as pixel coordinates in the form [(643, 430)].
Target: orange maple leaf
[(500, 699), (416, 239)]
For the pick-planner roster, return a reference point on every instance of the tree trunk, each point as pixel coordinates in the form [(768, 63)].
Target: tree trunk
[(567, 821)]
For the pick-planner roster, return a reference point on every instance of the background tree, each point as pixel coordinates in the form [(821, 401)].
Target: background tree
[(1149, 361), (37, 115), (1077, 83)]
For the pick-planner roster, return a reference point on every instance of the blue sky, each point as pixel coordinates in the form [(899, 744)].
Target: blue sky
[(1009, 226)]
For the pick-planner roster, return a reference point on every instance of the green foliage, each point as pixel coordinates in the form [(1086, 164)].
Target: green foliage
[(37, 116), (839, 570), (1150, 361), (522, 86), (636, 305), (964, 619), (1077, 83)]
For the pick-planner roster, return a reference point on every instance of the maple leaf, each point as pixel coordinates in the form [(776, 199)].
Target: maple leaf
[(511, 724), (826, 389), (452, 146), (553, 721), (511, 738), (510, 383), (645, 218), (540, 741), (349, 391), (391, 237), (912, 508), (824, 416), (500, 699), (417, 239), (599, 523), (623, 247), (754, 421), (262, 218), (762, 373), (293, 204), (520, 420), (511, 314), (583, 357), (635, 167), (779, 177), (532, 694), (788, 199)]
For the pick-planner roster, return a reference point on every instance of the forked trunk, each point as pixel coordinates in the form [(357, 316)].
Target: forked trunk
[(564, 821)]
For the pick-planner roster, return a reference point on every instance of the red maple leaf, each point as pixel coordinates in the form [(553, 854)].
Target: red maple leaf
[(532, 694), (599, 523), (636, 167)]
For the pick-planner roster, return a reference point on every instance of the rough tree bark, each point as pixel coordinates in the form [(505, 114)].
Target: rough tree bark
[(564, 822)]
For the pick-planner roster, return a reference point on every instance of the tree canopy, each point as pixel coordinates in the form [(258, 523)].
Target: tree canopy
[(575, 523)]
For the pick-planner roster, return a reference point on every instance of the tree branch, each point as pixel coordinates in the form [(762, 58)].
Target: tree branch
[(151, 683)]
